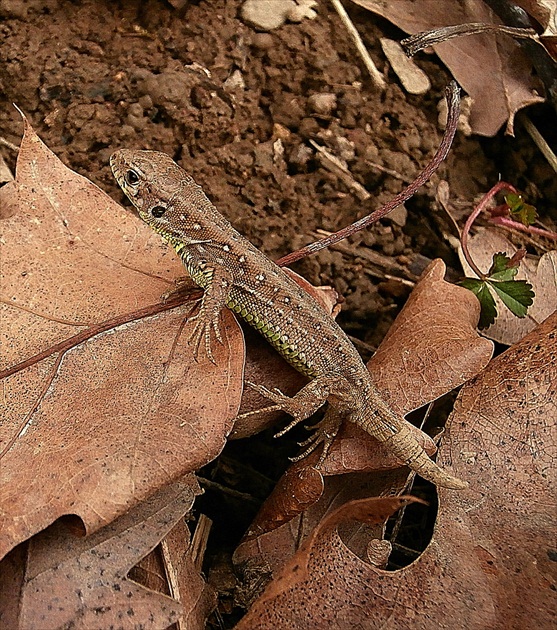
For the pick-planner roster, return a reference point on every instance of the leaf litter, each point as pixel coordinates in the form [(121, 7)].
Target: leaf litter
[(106, 409)]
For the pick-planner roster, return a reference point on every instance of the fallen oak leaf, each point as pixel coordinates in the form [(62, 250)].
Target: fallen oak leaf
[(68, 581), (299, 597), (110, 420)]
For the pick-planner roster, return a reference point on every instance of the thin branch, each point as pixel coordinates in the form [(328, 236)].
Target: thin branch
[(540, 142), (452, 94), (94, 330), (376, 76)]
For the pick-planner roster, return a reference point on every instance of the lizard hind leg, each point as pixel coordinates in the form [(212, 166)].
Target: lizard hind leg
[(305, 403), (324, 432)]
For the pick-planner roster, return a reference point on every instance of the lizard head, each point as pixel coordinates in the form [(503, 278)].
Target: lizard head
[(151, 180)]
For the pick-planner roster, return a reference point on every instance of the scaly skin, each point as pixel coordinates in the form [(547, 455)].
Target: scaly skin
[(236, 275)]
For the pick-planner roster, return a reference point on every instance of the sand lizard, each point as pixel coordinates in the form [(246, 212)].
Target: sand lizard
[(235, 274)]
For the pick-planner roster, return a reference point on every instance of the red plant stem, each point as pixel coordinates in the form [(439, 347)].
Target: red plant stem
[(473, 216), (452, 94), (97, 329), (530, 229)]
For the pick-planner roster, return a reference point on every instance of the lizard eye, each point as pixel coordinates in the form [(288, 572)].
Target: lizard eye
[(158, 211), (132, 178)]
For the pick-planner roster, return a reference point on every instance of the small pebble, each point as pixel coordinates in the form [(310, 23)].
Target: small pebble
[(323, 104), (266, 15), (263, 41)]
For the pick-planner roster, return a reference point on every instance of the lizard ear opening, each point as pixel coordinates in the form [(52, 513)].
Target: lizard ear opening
[(158, 211), (132, 178)]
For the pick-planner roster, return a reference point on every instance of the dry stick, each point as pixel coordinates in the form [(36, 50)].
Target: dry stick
[(376, 77), (419, 41), (540, 142), (95, 330), (452, 94)]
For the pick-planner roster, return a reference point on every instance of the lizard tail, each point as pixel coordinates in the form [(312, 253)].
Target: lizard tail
[(404, 445)]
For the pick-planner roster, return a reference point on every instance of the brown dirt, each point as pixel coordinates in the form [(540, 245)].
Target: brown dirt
[(95, 76)]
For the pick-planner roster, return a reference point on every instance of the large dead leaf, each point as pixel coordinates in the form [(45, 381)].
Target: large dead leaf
[(541, 274), (491, 561), (105, 424), (324, 585), (58, 580), (491, 68)]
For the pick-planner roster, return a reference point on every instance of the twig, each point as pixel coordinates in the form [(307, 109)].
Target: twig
[(419, 41), (452, 94), (333, 164), (376, 77), (541, 142), (95, 330), (8, 144)]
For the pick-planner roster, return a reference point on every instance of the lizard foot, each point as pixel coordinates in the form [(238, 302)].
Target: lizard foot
[(295, 407), (324, 432), (201, 335)]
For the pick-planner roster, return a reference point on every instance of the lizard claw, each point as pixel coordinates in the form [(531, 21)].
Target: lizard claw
[(324, 432), (202, 335)]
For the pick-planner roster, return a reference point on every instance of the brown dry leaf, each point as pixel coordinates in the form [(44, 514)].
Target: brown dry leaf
[(325, 585), (491, 561), (105, 424), (59, 580), (541, 274), (281, 526), (490, 67), (544, 11)]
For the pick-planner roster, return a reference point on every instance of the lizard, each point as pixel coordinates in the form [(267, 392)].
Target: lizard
[(235, 274)]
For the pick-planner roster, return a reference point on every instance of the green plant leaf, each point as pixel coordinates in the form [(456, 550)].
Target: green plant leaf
[(516, 295), (502, 268), (480, 289), (521, 211)]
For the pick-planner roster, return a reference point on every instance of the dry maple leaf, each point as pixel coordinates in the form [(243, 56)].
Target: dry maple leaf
[(104, 424)]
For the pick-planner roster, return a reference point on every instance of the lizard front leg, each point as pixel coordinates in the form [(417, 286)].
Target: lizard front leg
[(217, 284)]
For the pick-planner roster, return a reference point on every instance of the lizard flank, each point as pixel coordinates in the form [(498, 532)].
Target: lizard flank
[(235, 274)]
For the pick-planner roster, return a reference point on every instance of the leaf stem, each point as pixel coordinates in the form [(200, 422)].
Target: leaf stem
[(473, 216)]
